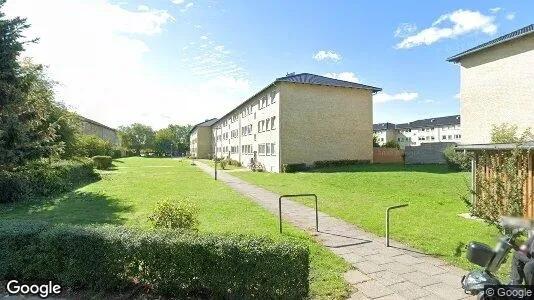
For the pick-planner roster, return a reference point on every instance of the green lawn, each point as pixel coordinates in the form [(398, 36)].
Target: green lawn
[(128, 194), (360, 195), (211, 163)]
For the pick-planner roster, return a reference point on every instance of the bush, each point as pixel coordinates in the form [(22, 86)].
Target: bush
[(91, 145), (392, 144), (338, 163), (222, 163), (40, 178), (292, 168), (102, 162), (175, 215), (167, 262), (457, 160), (235, 163), (117, 153)]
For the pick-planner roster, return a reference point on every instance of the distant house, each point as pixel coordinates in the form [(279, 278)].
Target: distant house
[(201, 138), (104, 132), (497, 85), (432, 130), (299, 118)]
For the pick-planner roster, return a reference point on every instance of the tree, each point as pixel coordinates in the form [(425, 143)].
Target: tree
[(137, 137), (506, 133), (164, 141), (24, 101), (375, 141), (181, 137), (392, 144)]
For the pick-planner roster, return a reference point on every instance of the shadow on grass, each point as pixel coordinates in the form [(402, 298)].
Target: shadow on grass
[(79, 208), (431, 168)]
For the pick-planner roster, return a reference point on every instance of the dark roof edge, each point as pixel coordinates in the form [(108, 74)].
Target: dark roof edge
[(496, 147), (456, 58), (96, 123), (200, 124), (361, 86)]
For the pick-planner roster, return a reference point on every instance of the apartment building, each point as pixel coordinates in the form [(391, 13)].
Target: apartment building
[(201, 139), (415, 133), (496, 85), (299, 118), (104, 132), (385, 132)]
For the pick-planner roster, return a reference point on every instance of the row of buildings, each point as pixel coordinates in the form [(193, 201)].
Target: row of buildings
[(306, 118), (433, 130)]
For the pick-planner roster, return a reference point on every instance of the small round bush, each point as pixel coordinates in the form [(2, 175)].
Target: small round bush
[(175, 215), (102, 162)]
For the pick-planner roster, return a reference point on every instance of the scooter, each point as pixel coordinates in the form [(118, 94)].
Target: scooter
[(491, 259)]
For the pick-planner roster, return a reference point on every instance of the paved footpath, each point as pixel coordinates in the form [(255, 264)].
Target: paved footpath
[(397, 272)]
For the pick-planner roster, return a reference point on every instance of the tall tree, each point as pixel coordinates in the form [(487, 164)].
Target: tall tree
[(181, 137), (137, 137), (164, 141), (24, 134)]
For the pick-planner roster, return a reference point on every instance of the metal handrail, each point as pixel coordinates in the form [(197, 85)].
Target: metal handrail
[(298, 195), (387, 220)]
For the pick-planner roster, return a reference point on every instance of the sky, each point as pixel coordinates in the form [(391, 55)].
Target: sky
[(161, 62)]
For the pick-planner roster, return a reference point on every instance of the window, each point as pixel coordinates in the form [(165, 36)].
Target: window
[(273, 96), (272, 122), (272, 149), (250, 129), (254, 116), (444, 137), (254, 137), (450, 137), (432, 138), (261, 149), (267, 124), (267, 149), (262, 125)]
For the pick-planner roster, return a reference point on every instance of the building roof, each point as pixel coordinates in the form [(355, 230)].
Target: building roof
[(383, 126), (431, 122), (495, 147), (507, 37), (206, 123), (84, 119), (307, 78)]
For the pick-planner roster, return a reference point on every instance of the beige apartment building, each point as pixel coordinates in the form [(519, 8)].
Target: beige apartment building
[(497, 85), (299, 118), (201, 139), (102, 131)]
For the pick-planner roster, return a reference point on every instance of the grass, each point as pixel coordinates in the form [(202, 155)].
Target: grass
[(360, 195), (211, 163), (128, 195)]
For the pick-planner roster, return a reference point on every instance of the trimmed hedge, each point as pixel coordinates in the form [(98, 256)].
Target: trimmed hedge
[(102, 162), (178, 263), (457, 160), (292, 168), (338, 163), (43, 179)]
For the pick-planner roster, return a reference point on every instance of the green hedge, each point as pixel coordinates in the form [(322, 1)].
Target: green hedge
[(181, 264), (338, 163), (43, 179), (292, 168), (102, 162), (457, 160)]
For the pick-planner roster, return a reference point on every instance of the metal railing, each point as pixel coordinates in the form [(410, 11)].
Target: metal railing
[(298, 195), (387, 220)]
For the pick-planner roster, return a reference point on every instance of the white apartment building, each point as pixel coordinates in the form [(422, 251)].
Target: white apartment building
[(432, 130), (300, 118)]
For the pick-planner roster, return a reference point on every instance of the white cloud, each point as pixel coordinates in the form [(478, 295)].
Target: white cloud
[(347, 76), (510, 16), (457, 95), (102, 65), (203, 37), (495, 10), (427, 101), (405, 29), (187, 7), (327, 54), (178, 1), (460, 22), (404, 96)]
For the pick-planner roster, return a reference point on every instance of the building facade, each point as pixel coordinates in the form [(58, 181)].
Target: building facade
[(201, 139), (102, 131), (497, 84), (433, 130), (299, 118)]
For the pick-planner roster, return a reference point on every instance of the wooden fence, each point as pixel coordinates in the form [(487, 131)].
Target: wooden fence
[(487, 170), (388, 156)]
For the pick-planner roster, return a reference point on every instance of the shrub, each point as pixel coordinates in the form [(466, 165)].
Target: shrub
[(392, 144), (292, 168), (41, 178), (167, 262), (338, 163), (457, 160), (222, 163), (180, 214), (103, 162), (117, 153), (91, 145), (235, 163)]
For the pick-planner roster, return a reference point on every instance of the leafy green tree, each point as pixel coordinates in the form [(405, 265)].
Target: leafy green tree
[(181, 137), (164, 141), (392, 144), (375, 141), (507, 133), (24, 102), (92, 145), (137, 137)]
